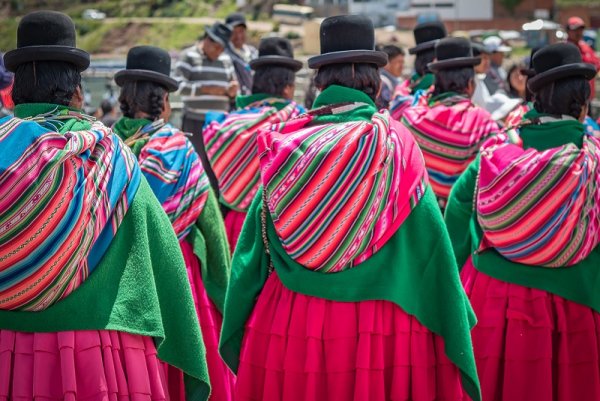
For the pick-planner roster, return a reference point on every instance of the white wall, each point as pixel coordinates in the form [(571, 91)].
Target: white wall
[(453, 9)]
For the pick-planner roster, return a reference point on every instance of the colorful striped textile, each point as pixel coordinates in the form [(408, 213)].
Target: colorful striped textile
[(174, 171), (231, 149), (62, 198), (338, 192), (450, 129), (402, 102), (540, 208)]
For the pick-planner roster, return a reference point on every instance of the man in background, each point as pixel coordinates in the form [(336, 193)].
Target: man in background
[(496, 78), (391, 74), (207, 79), (574, 28), (240, 52)]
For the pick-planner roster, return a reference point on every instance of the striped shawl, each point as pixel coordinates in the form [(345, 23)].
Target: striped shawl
[(540, 208), (449, 130), (231, 148), (62, 198), (337, 192)]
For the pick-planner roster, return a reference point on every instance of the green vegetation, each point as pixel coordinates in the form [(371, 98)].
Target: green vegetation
[(130, 8)]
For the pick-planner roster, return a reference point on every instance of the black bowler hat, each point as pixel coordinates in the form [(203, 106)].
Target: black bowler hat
[(427, 35), (219, 32), (147, 63), (236, 19), (453, 53), (558, 61), (46, 36), (347, 39), (275, 51)]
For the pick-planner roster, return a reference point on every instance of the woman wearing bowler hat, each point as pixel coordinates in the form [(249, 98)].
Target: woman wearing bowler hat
[(343, 285), (426, 34), (446, 124), (231, 140), (93, 288), (173, 169), (524, 222)]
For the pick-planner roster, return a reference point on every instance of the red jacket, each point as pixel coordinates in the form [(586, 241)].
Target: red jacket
[(589, 56)]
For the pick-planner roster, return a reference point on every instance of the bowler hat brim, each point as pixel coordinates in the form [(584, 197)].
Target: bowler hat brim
[(423, 46), (587, 71), (77, 57), (349, 56), (276, 60), (454, 63), (215, 37), (124, 76)]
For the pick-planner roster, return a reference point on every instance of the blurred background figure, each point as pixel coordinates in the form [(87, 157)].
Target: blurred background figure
[(239, 29), (496, 76), (240, 52), (6, 83), (517, 81), (391, 74), (574, 28), (109, 112), (207, 79)]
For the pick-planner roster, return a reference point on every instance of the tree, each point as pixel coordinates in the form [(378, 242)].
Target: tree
[(510, 5)]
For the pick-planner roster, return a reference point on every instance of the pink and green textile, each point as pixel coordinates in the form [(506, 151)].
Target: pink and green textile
[(231, 149), (449, 129), (334, 190), (65, 184), (540, 207)]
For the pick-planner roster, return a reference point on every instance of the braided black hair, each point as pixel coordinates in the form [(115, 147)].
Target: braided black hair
[(567, 96), (142, 96), (45, 82)]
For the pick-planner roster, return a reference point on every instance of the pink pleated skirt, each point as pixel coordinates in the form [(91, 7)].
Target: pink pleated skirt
[(79, 365), (222, 379), (531, 345), (234, 222), (298, 347)]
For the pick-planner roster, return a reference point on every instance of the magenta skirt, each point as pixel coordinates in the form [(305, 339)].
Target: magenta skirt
[(531, 345), (222, 379), (79, 365), (234, 221), (298, 347)]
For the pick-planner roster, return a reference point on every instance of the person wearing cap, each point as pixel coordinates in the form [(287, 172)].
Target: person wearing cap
[(574, 28), (89, 263), (426, 34), (173, 169), (391, 74), (446, 124), (231, 139), (496, 77), (237, 22), (524, 221), (207, 79), (500, 104), (330, 296)]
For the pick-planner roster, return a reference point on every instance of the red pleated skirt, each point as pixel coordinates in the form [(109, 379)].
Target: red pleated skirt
[(234, 222), (532, 345), (79, 365), (222, 379), (298, 347)]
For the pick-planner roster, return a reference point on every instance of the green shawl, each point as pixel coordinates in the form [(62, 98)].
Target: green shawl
[(579, 283), (423, 280), (214, 255), (140, 286)]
